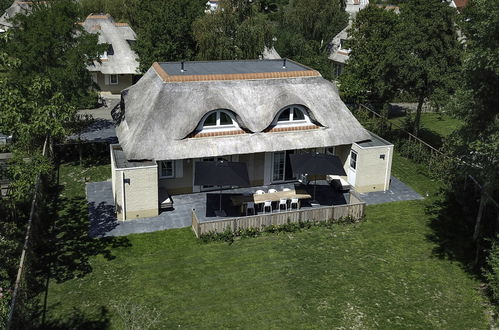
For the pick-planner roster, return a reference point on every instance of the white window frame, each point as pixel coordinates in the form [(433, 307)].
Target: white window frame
[(111, 79), (218, 127), (291, 121), (353, 152), (161, 166)]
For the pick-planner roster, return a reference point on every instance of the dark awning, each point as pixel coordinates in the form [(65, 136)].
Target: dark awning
[(316, 164), (221, 173)]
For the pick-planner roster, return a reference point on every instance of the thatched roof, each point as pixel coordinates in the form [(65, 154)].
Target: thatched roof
[(17, 7), (123, 61), (160, 112)]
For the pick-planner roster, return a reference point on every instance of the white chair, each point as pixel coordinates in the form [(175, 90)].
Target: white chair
[(259, 192), (272, 191), (267, 204), (250, 206), (283, 201), (296, 202), (286, 189)]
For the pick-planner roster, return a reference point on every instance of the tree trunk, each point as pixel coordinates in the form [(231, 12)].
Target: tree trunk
[(417, 120), (479, 216)]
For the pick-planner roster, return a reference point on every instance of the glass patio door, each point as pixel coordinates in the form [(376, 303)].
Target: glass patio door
[(278, 165)]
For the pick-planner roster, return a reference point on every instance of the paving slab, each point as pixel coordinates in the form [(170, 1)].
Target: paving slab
[(103, 221), (398, 191)]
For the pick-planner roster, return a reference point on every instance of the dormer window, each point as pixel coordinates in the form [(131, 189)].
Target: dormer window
[(293, 115), (218, 120)]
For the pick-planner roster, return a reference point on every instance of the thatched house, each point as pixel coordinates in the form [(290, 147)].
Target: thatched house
[(339, 51), (257, 112), (17, 7), (118, 68)]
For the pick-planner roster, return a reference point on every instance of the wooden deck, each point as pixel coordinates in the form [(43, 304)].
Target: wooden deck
[(355, 208)]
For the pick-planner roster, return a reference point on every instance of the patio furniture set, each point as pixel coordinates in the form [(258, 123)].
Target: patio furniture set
[(265, 201)]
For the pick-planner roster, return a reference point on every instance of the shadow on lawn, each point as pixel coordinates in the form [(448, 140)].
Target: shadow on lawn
[(452, 231), (70, 249), (78, 320)]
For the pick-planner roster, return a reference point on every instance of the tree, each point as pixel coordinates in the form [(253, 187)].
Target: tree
[(371, 72), (429, 54), (48, 43), (477, 100), (306, 27), (120, 10), (164, 30), (237, 30)]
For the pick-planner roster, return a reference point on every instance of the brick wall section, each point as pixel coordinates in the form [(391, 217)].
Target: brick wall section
[(292, 128), (237, 132), (233, 76), (223, 133)]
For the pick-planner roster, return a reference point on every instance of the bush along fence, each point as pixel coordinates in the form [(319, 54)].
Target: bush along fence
[(406, 143), (23, 305), (353, 211), (473, 196)]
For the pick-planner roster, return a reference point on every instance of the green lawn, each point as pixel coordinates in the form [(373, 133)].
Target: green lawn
[(382, 273), (434, 126)]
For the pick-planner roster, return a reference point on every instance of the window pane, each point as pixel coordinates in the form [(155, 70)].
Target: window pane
[(284, 116), (211, 120), (225, 119), (114, 79), (278, 166), (167, 168), (298, 114), (353, 160)]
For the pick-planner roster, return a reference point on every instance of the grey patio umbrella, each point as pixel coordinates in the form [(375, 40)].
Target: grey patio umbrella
[(221, 173), (316, 164)]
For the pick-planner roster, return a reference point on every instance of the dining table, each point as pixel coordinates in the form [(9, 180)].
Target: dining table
[(241, 200)]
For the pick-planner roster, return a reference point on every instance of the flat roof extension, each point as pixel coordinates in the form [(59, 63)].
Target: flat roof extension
[(121, 161), (232, 70), (375, 141)]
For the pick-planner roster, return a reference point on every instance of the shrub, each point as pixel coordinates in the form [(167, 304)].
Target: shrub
[(491, 272)]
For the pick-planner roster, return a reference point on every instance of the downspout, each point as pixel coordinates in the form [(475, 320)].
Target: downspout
[(387, 179), (123, 194)]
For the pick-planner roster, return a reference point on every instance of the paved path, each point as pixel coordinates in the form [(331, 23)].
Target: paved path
[(398, 191), (103, 220), (102, 129)]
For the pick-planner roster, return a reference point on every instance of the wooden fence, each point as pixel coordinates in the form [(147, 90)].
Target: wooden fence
[(354, 209)]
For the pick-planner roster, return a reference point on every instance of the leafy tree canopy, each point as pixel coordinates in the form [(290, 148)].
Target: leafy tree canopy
[(237, 30), (164, 30), (305, 27), (370, 75), (477, 99), (416, 51), (49, 43)]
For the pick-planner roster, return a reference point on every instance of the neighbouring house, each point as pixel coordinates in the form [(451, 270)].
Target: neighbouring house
[(354, 6), (118, 67), (5, 139), (17, 7), (270, 54), (211, 6), (458, 4), (258, 112), (339, 52)]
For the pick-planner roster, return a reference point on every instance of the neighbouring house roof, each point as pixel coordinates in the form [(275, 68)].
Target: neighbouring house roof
[(459, 4), (270, 54), (337, 54), (353, 6), (17, 7), (161, 111), (119, 36)]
